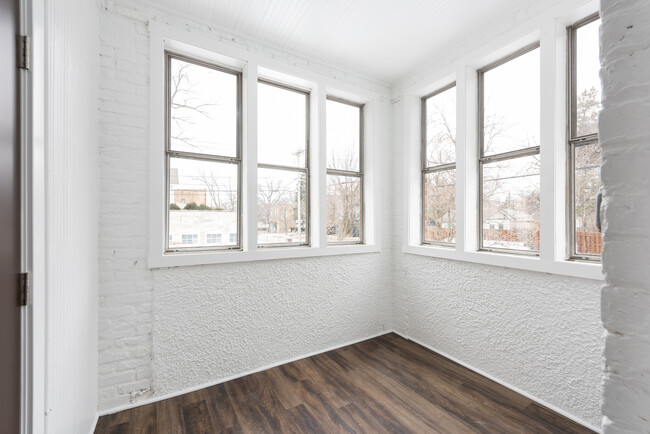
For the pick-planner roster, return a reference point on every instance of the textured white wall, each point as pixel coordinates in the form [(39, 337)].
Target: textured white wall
[(625, 139), (538, 332), (71, 81), (166, 330)]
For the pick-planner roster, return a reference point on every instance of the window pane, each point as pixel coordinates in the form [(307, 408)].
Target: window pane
[(441, 128), (282, 126), (202, 201), (511, 105), (203, 109), (511, 204), (282, 207), (343, 135), (587, 183), (587, 79), (343, 209), (440, 206)]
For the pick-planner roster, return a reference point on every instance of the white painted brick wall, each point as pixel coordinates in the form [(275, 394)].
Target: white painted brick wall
[(625, 138), (126, 284), (143, 348)]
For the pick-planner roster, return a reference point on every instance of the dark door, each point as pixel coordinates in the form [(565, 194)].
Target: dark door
[(9, 221)]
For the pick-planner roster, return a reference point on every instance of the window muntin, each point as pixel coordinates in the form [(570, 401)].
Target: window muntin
[(189, 238), (439, 167), (345, 208), (203, 164), (283, 166), (584, 235), (213, 238), (509, 125)]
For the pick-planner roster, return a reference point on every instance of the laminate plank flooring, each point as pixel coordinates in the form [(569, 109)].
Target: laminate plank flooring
[(383, 385)]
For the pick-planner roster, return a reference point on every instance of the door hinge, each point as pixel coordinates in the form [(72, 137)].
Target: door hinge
[(23, 49), (25, 290)]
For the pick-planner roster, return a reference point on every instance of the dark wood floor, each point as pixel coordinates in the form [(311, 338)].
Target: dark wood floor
[(386, 384)]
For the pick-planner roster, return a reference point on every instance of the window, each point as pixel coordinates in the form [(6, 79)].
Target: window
[(585, 240), (189, 238), (230, 156), (283, 165), (344, 172), (203, 157), (509, 164), (439, 167), (214, 238)]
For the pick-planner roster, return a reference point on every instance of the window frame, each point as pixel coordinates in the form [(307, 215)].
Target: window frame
[(573, 141), (169, 55), (304, 170), (550, 30), (432, 169), (503, 156), (349, 173), (255, 64)]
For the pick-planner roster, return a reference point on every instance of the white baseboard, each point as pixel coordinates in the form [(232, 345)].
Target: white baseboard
[(153, 399), (503, 383), (94, 425)]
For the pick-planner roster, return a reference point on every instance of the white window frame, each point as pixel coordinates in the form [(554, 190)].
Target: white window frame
[(502, 156), (295, 169), (575, 141), (197, 156), (350, 173), (426, 169), (256, 64), (549, 29)]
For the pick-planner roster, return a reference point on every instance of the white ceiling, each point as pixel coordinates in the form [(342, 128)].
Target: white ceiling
[(379, 39)]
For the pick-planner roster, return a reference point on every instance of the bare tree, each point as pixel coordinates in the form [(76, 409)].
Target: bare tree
[(270, 195), (185, 103), (344, 193), (222, 194), (587, 162)]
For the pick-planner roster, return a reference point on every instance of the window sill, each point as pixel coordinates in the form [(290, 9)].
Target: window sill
[(531, 263), (260, 254)]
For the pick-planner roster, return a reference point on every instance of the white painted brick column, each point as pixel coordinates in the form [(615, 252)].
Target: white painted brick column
[(625, 137)]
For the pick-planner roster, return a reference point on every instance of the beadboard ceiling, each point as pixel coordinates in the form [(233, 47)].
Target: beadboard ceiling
[(379, 39)]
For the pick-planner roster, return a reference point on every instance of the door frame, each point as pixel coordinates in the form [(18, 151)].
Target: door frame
[(33, 234)]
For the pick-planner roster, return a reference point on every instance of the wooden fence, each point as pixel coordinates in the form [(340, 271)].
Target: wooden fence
[(530, 238), (590, 243)]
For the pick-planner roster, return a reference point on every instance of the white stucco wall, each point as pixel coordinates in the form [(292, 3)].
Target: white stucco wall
[(165, 330), (625, 138)]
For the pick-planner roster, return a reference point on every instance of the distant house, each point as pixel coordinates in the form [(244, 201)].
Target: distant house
[(181, 197)]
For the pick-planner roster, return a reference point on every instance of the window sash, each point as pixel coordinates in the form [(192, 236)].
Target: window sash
[(169, 153), (359, 175), (429, 169), (504, 156), (485, 160), (574, 141), (352, 173), (299, 169)]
